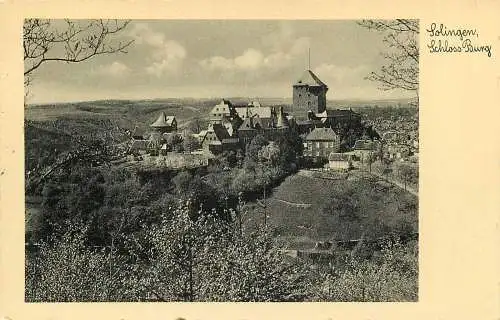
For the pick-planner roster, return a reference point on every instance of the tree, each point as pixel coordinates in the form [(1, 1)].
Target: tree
[(69, 41), (270, 153), (190, 143), (405, 172), (401, 68), (254, 146), (208, 259), (181, 182), (174, 140)]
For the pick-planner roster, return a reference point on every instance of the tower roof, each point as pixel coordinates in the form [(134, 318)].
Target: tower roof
[(163, 121), (308, 78)]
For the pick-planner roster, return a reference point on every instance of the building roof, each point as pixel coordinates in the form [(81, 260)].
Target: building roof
[(224, 107), (308, 78), (322, 134), (255, 122), (220, 131), (332, 113), (335, 156), (163, 121), (247, 124)]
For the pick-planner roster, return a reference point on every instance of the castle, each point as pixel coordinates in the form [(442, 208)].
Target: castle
[(232, 127)]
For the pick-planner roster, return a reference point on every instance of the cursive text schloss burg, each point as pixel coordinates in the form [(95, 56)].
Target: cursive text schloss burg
[(455, 40)]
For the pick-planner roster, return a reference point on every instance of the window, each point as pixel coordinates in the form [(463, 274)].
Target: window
[(317, 144), (309, 146), (317, 153)]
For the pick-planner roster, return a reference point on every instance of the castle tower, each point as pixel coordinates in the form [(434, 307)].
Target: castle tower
[(309, 93)]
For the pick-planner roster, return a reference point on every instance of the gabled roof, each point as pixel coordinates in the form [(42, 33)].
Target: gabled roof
[(308, 78), (163, 121), (322, 134)]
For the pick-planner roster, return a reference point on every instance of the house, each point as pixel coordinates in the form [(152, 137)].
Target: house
[(321, 142), (164, 123), (223, 110), (339, 161), (217, 139)]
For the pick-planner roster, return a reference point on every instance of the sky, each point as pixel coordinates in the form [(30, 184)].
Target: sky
[(222, 58)]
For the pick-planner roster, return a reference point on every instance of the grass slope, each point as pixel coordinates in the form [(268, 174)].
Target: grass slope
[(306, 209)]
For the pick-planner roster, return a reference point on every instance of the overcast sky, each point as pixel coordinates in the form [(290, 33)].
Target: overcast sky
[(216, 58)]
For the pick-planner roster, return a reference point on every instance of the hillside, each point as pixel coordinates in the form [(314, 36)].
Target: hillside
[(125, 113), (306, 209)]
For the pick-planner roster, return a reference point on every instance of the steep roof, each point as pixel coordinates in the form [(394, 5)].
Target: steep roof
[(322, 134), (308, 78), (220, 131), (163, 121)]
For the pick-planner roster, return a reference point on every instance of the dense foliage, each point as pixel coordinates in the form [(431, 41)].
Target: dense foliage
[(104, 233)]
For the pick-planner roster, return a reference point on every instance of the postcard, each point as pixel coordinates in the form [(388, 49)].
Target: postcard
[(212, 160)]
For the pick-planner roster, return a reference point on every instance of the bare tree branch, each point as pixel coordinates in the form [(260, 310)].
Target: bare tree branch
[(402, 57), (73, 42)]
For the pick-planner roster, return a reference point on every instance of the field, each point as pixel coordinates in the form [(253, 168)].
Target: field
[(307, 209), (124, 113)]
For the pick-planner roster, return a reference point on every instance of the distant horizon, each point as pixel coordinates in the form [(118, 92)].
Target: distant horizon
[(44, 103)]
